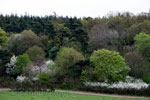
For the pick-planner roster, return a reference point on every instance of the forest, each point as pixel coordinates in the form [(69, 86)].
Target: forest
[(71, 52)]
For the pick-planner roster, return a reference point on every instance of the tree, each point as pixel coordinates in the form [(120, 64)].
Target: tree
[(142, 43), (61, 32), (37, 56), (35, 52), (67, 56), (22, 61), (109, 65), (65, 62), (103, 37), (136, 29), (5, 56), (19, 43), (137, 63), (3, 37)]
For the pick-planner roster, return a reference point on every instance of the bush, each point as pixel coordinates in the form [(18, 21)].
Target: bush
[(32, 86), (6, 82), (146, 77), (109, 65), (44, 78), (22, 62)]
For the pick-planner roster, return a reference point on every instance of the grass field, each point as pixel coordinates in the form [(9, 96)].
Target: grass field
[(20, 95)]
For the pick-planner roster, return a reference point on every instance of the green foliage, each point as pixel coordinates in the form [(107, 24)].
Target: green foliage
[(35, 52), (19, 43), (142, 43), (109, 65), (3, 37), (53, 53), (44, 78), (68, 56), (22, 61), (5, 56), (84, 77), (137, 63), (146, 77), (136, 29)]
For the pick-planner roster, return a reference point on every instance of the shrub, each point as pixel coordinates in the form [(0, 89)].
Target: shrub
[(109, 65), (22, 62), (44, 78), (146, 77), (6, 82)]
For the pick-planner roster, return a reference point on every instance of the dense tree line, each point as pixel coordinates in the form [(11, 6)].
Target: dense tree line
[(74, 43)]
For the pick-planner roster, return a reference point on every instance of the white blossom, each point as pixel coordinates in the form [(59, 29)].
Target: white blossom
[(21, 78), (10, 66), (47, 67), (130, 83)]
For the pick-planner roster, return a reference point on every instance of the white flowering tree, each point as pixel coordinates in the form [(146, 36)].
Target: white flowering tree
[(11, 65)]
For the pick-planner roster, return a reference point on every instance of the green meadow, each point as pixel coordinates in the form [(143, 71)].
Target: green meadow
[(29, 95)]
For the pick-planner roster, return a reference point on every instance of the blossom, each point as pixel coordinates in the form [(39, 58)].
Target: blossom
[(10, 66), (128, 84), (21, 78)]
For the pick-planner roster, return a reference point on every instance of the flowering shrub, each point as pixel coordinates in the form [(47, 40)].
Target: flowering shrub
[(47, 67), (130, 83), (21, 78), (10, 66)]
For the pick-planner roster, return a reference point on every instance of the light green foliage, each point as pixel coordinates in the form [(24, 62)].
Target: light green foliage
[(109, 65), (3, 37), (84, 77), (22, 62), (142, 43), (68, 56), (44, 78)]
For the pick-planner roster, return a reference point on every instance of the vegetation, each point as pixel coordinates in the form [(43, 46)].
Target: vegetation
[(142, 42), (67, 52), (67, 57), (3, 37), (22, 62), (109, 65), (7, 95)]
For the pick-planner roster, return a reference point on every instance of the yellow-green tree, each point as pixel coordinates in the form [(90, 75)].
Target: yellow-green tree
[(109, 65), (3, 37)]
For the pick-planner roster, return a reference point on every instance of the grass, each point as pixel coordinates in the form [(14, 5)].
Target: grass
[(21, 95)]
